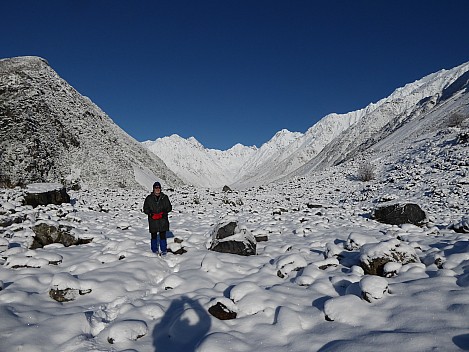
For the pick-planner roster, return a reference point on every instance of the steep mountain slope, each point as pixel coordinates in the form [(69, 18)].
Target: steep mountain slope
[(51, 133), (415, 109)]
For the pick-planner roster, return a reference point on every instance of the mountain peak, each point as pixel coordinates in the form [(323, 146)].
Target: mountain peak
[(57, 135), (23, 61)]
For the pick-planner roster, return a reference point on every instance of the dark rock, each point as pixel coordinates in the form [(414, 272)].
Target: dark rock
[(180, 251), (225, 230), (261, 238), (57, 196), (398, 214), (220, 311), (67, 294), (226, 189), (47, 234), (240, 247)]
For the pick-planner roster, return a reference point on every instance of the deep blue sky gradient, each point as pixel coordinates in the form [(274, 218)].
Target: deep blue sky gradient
[(235, 71)]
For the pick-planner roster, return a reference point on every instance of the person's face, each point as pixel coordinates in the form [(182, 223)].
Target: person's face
[(157, 190)]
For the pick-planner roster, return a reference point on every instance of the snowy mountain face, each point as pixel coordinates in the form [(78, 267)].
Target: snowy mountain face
[(424, 105), (51, 133), (197, 165), (203, 167)]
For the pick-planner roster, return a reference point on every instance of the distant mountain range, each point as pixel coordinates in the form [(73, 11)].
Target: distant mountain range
[(51, 133), (408, 112)]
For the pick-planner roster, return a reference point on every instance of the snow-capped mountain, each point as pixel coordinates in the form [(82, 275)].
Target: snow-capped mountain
[(415, 109), (213, 168), (51, 133), (335, 138), (196, 165)]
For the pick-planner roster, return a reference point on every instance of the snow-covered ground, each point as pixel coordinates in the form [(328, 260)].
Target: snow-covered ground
[(303, 291)]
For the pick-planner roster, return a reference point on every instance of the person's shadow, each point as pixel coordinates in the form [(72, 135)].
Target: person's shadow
[(183, 326)]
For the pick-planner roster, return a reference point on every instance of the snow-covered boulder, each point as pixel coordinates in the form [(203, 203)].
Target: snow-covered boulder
[(227, 237), (65, 288), (373, 288), (289, 263), (45, 193), (125, 330), (374, 256)]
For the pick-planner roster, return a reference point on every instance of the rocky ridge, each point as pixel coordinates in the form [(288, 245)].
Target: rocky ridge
[(51, 133)]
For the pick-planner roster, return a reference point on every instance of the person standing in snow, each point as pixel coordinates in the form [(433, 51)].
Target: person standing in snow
[(157, 206)]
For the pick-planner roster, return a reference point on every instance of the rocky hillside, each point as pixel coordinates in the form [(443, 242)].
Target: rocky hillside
[(51, 133)]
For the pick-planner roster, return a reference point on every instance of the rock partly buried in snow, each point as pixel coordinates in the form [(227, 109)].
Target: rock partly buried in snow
[(228, 238), (374, 256), (462, 226), (46, 234), (222, 312), (125, 330), (373, 288), (261, 238), (289, 263), (33, 259), (66, 288), (348, 309), (398, 214), (45, 193)]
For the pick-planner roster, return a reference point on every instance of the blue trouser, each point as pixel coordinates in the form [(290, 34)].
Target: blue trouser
[(162, 243)]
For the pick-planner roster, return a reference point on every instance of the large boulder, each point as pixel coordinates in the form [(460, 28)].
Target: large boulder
[(374, 256), (46, 234), (398, 214), (45, 193), (228, 238)]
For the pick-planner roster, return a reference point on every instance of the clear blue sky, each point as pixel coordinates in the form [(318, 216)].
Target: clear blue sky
[(229, 71)]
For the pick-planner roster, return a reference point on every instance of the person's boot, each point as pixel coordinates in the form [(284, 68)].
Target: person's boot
[(154, 246), (164, 247)]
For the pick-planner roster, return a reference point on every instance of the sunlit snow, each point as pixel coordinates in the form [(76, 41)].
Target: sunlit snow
[(303, 291)]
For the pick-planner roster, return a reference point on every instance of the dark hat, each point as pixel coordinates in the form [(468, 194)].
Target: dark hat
[(157, 184)]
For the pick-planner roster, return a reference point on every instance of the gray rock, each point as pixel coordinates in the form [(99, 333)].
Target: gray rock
[(226, 238), (56, 196), (47, 234), (398, 214)]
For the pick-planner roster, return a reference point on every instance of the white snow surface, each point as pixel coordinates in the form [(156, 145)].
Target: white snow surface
[(304, 290)]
